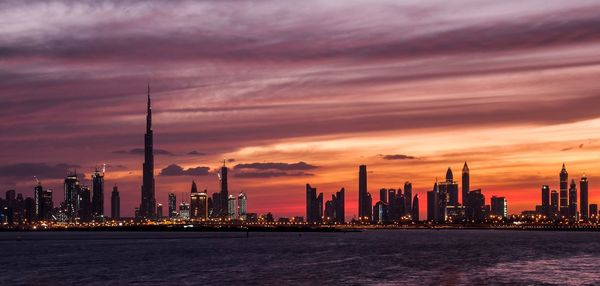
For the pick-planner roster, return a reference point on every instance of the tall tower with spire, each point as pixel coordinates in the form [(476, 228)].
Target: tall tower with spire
[(148, 204), (564, 191), (466, 182), (224, 194)]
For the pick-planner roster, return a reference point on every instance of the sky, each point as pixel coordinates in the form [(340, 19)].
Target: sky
[(297, 92)]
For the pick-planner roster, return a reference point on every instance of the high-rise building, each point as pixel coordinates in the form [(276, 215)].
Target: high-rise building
[(38, 192), (215, 211), (30, 209), (564, 185), (115, 204), (573, 200), (498, 206), (475, 207), (415, 208), (231, 207), (546, 200), (340, 206), (408, 196), (334, 209), (364, 204), (242, 207), (159, 211), (593, 211), (466, 181), (380, 212), (84, 204), (147, 208), (71, 192), (383, 195), (314, 205), (583, 198), (194, 202), (184, 211), (172, 202), (224, 190), (203, 205), (98, 195), (554, 205), (449, 188), (432, 203)]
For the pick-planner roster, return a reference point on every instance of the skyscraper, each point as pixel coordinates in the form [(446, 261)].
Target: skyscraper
[(115, 204), (84, 204), (498, 206), (466, 181), (564, 185), (71, 192), (583, 198), (474, 209), (159, 211), (554, 205), (431, 203), (546, 200), (242, 206), (184, 211), (449, 188), (224, 190), (47, 205), (593, 210), (408, 196), (194, 202), (383, 195), (172, 202), (148, 205), (203, 204), (573, 200), (415, 208), (231, 207), (98, 194), (364, 206), (314, 205), (37, 195), (340, 206)]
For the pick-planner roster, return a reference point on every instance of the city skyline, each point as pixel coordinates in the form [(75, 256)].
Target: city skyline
[(513, 94)]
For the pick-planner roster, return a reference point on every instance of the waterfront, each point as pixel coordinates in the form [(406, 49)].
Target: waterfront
[(383, 257)]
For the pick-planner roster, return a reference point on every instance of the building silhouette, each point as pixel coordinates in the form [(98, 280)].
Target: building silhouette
[(231, 207), (564, 185), (475, 208), (554, 204), (408, 197), (115, 203), (546, 200), (466, 183), (84, 204), (499, 206), (593, 211), (71, 192), (242, 206), (97, 194), (314, 205), (194, 202), (415, 208), (335, 208), (147, 208), (159, 211), (224, 194), (583, 198), (364, 197), (172, 203), (573, 200)]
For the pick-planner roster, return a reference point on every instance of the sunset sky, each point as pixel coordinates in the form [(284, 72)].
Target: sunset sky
[(513, 88)]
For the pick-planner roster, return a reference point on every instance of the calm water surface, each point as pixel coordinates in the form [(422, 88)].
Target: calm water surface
[(382, 257)]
